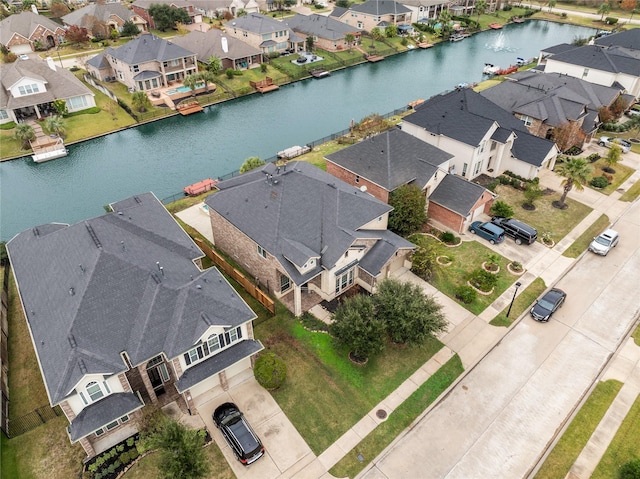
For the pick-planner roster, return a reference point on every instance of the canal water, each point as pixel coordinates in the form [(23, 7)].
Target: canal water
[(169, 154)]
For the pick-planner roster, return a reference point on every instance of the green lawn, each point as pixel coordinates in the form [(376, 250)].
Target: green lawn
[(582, 242), (570, 445), (621, 174), (522, 303), (636, 336), (325, 394), (467, 257), (624, 447), (398, 420), (545, 218), (632, 193)]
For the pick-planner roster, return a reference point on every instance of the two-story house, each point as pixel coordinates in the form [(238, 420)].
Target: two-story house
[(386, 161), (100, 19), (304, 234), (121, 314), (327, 33), (29, 86), (426, 9), (28, 31), (482, 137), (551, 102), (141, 8), (144, 63), (373, 14), (265, 33)]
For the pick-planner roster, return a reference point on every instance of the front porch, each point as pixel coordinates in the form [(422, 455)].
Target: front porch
[(308, 300)]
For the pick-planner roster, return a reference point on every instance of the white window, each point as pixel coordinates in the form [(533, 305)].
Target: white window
[(477, 169), (344, 280), (464, 169), (112, 425), (4, 115), (360, 25), (99, 432), (262, 252), (527, 120), (233, 335), (213, 342), (94, 391), (77, 103), (28, 89)]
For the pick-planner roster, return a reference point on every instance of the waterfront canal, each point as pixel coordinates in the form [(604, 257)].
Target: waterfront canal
[(166, 155)]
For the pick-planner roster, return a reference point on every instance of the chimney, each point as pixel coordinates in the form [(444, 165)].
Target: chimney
[(225, 45), (34, 9), (50, 63)]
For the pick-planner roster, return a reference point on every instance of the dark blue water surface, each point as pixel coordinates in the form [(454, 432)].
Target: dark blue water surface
[(166, 155)]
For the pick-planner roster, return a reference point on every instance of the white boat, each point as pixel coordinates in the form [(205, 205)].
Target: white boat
[(490, 69), (456, 37)]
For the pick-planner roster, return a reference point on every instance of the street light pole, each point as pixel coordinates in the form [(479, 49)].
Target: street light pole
[(518, 284)]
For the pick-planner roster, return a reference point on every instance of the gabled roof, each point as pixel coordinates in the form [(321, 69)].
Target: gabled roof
[(24, 24), (320, 26), (391, 159), (212, 43), (560, 48), (256, 23), (60, 83), (467, 116), (609, 59), (298, 205), (380, 7), (145, 4), (628, 39), (124, 281), (87, 16), (102, 412), (457, 194), (147, 48), (338, 12)]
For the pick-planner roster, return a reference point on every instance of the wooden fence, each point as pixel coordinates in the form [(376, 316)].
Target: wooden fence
[(246, 284), (32, 420)]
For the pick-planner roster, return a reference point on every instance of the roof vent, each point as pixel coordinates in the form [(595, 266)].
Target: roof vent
[(198, 286), (72, 292)]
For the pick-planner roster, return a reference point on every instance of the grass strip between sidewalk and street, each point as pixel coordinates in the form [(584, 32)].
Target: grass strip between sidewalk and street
[(576, 437), (520, 304), (624, 447), (582, 242), (372, 445)]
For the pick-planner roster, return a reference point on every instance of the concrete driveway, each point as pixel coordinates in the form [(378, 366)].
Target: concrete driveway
[(286, 451)]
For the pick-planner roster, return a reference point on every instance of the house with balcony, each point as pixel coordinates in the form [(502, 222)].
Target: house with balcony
[(482, 137), (426, 9), (144, 63), (264, 33), (28, 31), (29, 86), (232, 52), (373, 14), (327, 33), (121, 314), (384, 162), (100, 19), (303, 234)]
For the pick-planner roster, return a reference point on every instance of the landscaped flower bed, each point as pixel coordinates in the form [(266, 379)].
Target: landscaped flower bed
[(113, 461)]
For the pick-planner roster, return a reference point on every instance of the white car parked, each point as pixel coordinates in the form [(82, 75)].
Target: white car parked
[(604, 242), (624, 145)]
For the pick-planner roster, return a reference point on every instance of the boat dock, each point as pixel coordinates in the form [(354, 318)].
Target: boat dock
[(264, 86), (293, 152), (189, 108), (200, 187), (319, 73), (45, 147)]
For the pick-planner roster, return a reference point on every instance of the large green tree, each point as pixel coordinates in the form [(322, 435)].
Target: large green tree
[(140, 101), (481, 8), (409, 212), (356, 326), (129, 29), (251, 163), (214, 64), (181, 451), (604, 9), (410, 315), (576, 172), (166, 16), (613, 157)]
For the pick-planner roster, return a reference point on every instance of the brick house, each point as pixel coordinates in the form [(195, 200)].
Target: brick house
[(27, 32), (144, 63), (141, 8), (373, 13), (265, 33), (327, 33), (303, 234), (101, 19), (122, 315), (547, 101), (482, 137), (394, 158)]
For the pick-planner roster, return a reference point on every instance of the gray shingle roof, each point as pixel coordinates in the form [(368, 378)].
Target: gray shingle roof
[(217, 363), (104, 292), (147, 48), (467, 116), (392, 159), (628, 39), (210, 43), (380, 7), (87, 16), (60, 83), (320, 26), (300, 205), (103, 412), (257, 23), (609, 59), (457, 194), (385, 248), (338, 12), (24, 23)]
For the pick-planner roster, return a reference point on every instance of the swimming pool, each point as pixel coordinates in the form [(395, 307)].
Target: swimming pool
[(181, 89)]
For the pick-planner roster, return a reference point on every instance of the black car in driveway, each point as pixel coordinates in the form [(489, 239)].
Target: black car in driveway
[(519, 231), (548, 304), (236, 430)]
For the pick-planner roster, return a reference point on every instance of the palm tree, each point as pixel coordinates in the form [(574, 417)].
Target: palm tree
[(140, 101), (24, 133), (349, 38), (604, 9), (55, 124), (214, 64), (481, 8), (576, 172), (191, 81), (207, 77), (552, 3)]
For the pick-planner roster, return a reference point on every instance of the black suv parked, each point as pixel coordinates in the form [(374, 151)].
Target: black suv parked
[(519, 231), (236, 430)]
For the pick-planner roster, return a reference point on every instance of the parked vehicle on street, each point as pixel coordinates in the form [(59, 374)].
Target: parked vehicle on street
[(604, 242), (633, 111), (492, 233), (519, 231), (624, 145), (548, 304), (236, 430)]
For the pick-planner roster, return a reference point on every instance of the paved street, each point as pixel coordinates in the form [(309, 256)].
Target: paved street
[(502, 415)]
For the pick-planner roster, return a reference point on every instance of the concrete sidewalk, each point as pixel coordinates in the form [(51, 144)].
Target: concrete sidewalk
[(469, 336)]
